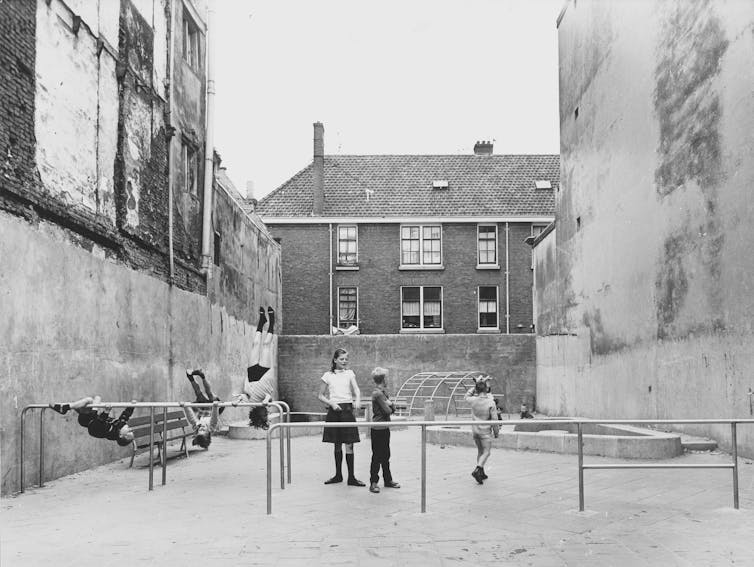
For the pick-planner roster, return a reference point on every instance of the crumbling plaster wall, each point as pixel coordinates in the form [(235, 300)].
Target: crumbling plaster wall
[(654, 216)]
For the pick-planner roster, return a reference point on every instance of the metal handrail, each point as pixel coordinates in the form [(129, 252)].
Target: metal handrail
[(284, 417), (579, 423)]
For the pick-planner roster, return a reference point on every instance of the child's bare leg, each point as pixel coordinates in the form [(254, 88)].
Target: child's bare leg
[(77, 405), (486, 449), (265, 354)]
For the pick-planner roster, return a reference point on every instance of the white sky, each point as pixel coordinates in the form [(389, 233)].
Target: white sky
[(384, 77)]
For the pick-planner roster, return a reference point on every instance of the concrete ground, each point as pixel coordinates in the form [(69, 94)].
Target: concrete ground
[(213, 512)]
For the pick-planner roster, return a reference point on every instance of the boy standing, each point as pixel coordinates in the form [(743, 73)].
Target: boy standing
[(382, 408)]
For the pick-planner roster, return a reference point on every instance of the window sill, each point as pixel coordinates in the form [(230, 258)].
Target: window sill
[(422, 331), (346, 268), (487, 266), (405, 267), (488, 331)]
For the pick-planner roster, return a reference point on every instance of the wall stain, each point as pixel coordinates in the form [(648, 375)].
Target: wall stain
[(689, 57)]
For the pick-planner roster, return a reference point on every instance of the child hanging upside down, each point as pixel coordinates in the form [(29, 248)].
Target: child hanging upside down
[(204, 421), (259, 385), (100, 424)]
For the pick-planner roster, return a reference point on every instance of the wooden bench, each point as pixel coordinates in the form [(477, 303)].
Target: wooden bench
[(177, 428)]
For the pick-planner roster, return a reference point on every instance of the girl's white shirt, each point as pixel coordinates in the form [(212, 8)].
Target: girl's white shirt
[(339, 385)]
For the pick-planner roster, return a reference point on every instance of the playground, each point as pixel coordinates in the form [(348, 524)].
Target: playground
[(212, 509)]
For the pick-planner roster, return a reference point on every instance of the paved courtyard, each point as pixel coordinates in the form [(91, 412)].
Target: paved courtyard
[(212, 511)]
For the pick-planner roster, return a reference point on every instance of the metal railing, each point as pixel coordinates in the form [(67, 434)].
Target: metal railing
[(282, 407), (579, 423)]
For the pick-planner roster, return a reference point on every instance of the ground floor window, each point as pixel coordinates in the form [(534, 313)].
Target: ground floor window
[(421, 307), (488, 307), (347, 307)]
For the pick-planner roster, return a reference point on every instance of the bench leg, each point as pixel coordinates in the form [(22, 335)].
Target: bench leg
[(133, 454), (184, 447)]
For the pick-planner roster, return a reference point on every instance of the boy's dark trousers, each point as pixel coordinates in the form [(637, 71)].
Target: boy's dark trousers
[(380, 456)]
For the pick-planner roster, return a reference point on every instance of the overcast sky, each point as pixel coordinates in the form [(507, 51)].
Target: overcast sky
[(384, 77)]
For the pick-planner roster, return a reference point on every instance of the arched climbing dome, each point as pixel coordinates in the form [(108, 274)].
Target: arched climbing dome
[(445, 389)]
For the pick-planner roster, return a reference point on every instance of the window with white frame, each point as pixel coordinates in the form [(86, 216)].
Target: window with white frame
[(348, 245), (421, 307), (488, 307), (421, 245), (536, 229), (191, 41), (348, 306), (487, 244)]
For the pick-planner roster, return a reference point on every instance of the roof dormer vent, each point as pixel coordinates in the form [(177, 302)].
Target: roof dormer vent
[(542, 184), (439, 184)]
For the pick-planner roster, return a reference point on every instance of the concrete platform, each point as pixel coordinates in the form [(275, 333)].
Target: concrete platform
[(619, 441)]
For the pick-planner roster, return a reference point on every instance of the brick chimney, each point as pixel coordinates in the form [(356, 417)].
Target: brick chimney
[(318, 170), (483, 148)]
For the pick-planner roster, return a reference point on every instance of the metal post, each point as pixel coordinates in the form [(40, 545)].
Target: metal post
[(269, 470), (151, 447), (424, 468), (735, 463), (21, 467), (580, 442), (288, 438), (281, 434), (164, 460), (41, 448)]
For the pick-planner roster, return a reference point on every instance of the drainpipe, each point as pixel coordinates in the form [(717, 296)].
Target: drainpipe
[(209, 142), (171, 131), (331, 276), (507, 288)]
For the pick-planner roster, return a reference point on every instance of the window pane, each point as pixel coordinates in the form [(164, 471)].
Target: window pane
[(487, 245), (488, 306), (411, 294), (347, 307)]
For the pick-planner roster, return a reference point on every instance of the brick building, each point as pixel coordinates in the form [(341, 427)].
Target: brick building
[(125, 259), (410, 243)]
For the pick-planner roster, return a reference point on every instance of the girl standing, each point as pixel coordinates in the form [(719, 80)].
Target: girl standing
[(340, 392)]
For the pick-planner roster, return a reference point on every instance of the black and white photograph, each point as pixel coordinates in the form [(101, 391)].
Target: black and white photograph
[(376, 283)]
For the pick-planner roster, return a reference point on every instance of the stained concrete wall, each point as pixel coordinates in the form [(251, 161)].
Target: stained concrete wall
[(77, 325), (302, 359), (654, 215)]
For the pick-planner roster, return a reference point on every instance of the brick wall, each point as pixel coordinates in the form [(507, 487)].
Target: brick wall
[(305, 251), (509, 358), (304, 257), (17, 60)]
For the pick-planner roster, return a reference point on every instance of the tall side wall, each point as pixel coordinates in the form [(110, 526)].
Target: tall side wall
[(654, 216), (302, 359), (77, 325)]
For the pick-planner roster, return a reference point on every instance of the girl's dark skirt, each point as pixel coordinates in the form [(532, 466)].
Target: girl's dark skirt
[(340, 434)]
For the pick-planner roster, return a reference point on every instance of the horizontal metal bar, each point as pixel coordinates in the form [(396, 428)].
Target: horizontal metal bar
[(658, 466), (164, 405)]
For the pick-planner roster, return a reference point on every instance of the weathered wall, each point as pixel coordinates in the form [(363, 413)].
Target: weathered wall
[(306, 260), (303, 359), (77, 325), (654, 213), (248, 274)]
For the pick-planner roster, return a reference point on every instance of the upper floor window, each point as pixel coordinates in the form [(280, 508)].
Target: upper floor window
[(348, 245), (536, 229), (217, 247), (487, 245), (190, 160), (421, 307), (488, 307), (191, 41), (421, 245)]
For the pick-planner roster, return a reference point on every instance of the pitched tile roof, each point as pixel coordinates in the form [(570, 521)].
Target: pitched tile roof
[(401, 185)]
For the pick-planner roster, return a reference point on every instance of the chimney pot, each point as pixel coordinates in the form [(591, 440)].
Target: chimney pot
[(483, 147)]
